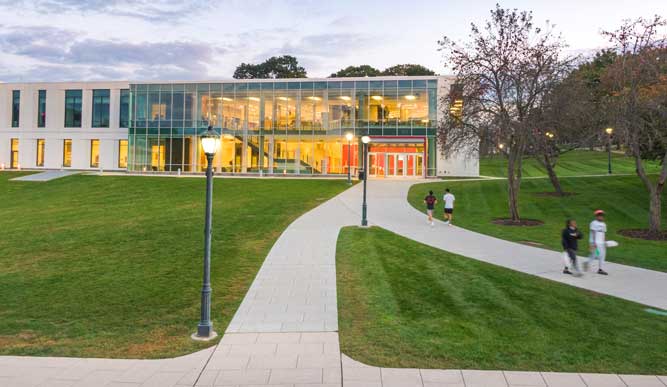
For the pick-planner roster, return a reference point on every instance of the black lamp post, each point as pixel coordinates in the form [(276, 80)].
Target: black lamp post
[(349, 136), (365, 140), (210, 142), (609, 132)]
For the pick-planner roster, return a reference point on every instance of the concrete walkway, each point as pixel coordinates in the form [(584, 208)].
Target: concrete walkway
[(285, 331), (45, 176)]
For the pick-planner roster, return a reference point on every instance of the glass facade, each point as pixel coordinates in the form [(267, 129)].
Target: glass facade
[(277, 126), (100, 108), (73, 108), (41, 109), (67, 153), (40, 153), (16, 107)]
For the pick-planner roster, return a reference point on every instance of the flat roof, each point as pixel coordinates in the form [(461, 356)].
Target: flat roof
[(234, 80)]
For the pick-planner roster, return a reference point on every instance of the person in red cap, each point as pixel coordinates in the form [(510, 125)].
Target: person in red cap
[(598, 245)]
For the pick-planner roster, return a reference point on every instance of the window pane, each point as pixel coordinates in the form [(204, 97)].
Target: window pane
[(94, 153), (14, 154), (41, 109), (124, 120), (16, 107), (67, 153), (122, 154), (100, 108), (40, 152), (73, 108)]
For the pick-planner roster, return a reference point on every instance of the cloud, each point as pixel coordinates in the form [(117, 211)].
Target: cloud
[(51, 53), (150, 10)]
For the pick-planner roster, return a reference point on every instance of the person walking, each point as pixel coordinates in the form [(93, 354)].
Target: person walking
[(430, 201), (570, 241), (597, 242), (449, 206)]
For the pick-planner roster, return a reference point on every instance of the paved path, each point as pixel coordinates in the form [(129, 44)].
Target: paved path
[(45, 176), (389, 209), (285, 331)]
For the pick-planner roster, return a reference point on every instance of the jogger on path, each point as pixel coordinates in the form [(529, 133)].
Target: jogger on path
[(597, 241), (430, 202)]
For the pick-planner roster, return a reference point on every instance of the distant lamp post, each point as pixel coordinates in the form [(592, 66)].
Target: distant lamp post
[(501, 146), (550, 135), (349, 136), (609, 132), (365, 140), (210, 142)]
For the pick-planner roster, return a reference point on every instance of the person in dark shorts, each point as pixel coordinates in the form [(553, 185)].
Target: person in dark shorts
[(449, 206), (430, 201), (570, 241)]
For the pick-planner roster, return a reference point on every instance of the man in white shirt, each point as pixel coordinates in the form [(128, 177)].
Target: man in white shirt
[(449, 206), (597, 241)]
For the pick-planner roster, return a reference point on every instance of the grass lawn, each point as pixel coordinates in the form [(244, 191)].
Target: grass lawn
[(622, 197), (111, 266), (404, 304), (570, 164)]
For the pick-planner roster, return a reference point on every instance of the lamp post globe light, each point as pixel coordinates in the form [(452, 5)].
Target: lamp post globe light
[(349, 136), (210, 142), (609, 132), (365, 140)]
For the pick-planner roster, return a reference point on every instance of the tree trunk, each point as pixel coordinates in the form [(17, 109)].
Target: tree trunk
[(655, 211), (549, 165), (655, 190), (514, 183)]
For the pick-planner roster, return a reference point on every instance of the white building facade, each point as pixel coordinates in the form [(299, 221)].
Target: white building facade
[(267, 127)]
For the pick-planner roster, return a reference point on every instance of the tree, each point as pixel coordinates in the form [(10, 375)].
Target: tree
[(356, 71), (407, 69), (285, 66), (567, 118), (506, 68), (637, 85)]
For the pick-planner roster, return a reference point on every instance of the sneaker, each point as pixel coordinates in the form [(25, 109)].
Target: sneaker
[(446, 221), (602, 272), (432, 224), (566, 271)]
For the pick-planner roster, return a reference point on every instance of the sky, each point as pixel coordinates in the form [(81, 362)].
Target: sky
[(63, 40)]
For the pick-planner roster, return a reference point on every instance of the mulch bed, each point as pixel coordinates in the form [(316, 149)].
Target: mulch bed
[(555, 194), (522, 222), (640, 233)]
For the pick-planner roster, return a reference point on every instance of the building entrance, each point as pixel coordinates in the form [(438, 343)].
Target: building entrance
[(396, 160)]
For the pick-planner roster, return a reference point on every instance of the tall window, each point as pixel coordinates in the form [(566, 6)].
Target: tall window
[(16, 107), (14, 153), (73, 108), (67, 153), (40, 152), (122, 154), (41, 109), (100, 108), (94, 153), (124, 108)]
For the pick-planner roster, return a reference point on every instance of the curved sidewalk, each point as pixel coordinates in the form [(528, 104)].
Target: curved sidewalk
[(388, 208)]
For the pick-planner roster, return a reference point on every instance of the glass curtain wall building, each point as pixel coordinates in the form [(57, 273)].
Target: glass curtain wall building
[(285, 126)]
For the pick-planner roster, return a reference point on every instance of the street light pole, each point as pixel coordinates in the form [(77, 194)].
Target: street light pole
[(364, 220), (609, 132), (349, 137), (210, 142)]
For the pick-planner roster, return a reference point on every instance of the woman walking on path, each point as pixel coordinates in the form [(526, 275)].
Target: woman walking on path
[(430, 202)]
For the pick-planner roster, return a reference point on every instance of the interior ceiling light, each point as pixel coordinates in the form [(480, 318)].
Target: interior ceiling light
[(410, 97), (315, 98), (345, 98), (227, 99), (376, 97), (283, 98), (253, 98)]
